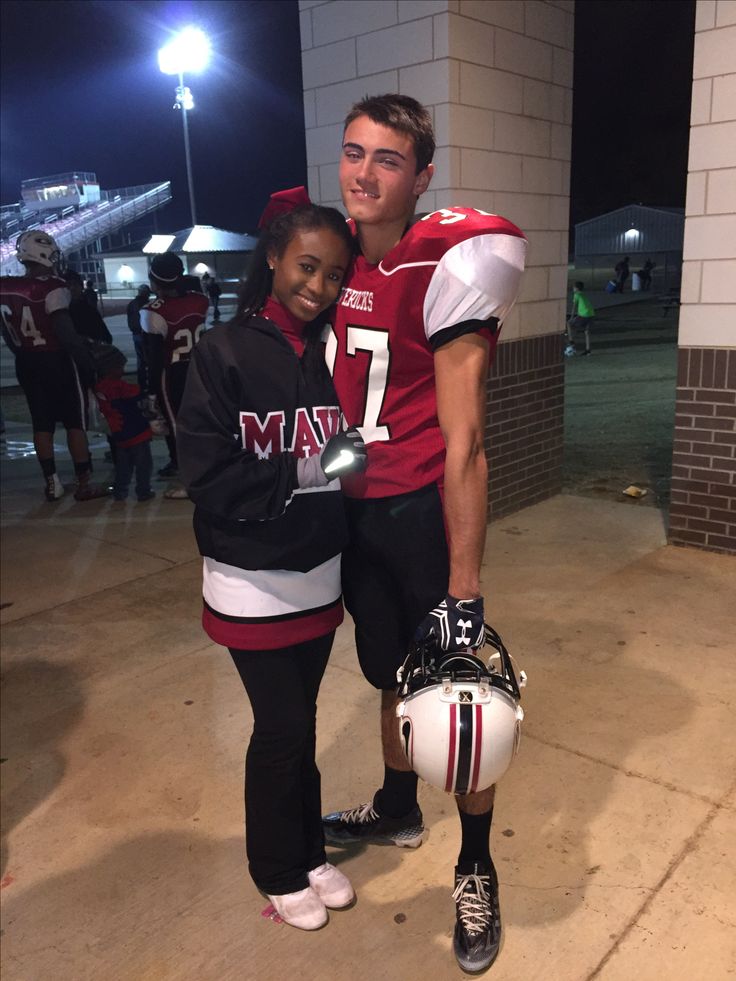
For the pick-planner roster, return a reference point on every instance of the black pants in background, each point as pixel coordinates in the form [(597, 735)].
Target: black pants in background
[(283, 805)]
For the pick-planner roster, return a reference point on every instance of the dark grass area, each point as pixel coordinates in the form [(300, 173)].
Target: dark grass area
[(620, 405)]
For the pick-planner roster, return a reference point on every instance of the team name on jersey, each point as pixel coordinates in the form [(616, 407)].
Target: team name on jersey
[(265, 437), (357, 299)]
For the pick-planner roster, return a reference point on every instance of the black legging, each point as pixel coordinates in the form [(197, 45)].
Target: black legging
[(283, 806)]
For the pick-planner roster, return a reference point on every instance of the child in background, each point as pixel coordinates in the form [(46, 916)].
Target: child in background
[(130, 432), (582, 316)]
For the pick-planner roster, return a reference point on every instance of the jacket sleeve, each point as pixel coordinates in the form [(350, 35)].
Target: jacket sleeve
[(221, 477)]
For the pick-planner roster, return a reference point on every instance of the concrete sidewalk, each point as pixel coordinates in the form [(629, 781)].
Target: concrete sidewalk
[(124, 731)]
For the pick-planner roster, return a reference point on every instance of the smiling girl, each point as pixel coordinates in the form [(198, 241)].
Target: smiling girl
[(260, 447)]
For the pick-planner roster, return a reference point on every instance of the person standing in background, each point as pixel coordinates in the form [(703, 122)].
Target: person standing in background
[(582, 317), (133, 314), (52, 363), (622, 274), (173, 324), (86, 318)]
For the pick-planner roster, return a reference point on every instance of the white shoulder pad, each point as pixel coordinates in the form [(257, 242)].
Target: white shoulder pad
[(152, 322), (476, 279), (58, 299)]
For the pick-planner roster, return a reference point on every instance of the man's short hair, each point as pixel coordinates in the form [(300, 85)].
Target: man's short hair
[(579, 285), (404, 114)]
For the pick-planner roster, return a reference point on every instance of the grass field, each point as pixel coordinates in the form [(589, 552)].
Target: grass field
[(620, 405)]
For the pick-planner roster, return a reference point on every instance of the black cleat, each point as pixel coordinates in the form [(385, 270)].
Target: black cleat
[(477, 936), (365, 824)]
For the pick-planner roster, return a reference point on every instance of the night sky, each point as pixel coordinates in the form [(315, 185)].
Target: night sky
[(81, 90), (631, 104)]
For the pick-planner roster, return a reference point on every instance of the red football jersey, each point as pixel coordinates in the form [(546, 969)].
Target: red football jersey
[(26, 305), (180, 320), (453, 267)]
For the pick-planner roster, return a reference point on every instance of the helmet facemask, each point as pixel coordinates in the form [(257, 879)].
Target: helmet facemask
[(459, 715)]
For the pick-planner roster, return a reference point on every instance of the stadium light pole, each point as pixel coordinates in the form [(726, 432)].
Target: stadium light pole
[(188, 51)]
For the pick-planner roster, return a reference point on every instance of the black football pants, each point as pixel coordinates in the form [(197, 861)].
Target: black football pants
[(283, 805)]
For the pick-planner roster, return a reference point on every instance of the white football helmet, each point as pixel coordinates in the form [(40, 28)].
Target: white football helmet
[(38, 246), (460, 717)]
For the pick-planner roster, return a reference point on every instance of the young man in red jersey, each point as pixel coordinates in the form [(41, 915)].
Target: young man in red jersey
[(172, 323), (52, 364), (414, 332)]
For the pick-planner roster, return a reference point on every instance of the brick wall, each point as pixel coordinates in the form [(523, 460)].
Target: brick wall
[(703, 511), (524, 430)]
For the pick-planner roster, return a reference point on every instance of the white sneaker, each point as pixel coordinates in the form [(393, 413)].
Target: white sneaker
[(54, 488), (303, 909), (332, 887)]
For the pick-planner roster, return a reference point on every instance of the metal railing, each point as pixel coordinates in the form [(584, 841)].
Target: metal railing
[(120, 207)]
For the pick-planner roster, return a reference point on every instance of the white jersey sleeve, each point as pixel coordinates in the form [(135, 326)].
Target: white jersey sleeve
[(153, 323), (477, 279), (58, 299)]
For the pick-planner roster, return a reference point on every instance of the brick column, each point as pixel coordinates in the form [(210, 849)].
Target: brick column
[(703, 509), (497, 75)]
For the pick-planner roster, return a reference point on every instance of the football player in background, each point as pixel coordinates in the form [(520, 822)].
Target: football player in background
[(52, 364), (415, 330), (172, 324)]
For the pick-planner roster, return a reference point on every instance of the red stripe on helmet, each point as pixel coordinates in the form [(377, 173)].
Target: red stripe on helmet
[(477, 747), (450, 781)]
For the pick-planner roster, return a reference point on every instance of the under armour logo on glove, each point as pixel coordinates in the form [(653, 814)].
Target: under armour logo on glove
[(455, 624)]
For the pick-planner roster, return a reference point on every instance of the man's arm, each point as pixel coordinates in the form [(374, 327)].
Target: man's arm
[(461, 368), (73, 344)]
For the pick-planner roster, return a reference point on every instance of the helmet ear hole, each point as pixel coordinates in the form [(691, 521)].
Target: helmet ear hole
[(406, 738)]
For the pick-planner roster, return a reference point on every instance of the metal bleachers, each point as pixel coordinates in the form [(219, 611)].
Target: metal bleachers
[(74, 230)]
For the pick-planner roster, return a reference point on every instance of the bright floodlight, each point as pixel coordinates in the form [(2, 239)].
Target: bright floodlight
[(189, 51), (632, 233)]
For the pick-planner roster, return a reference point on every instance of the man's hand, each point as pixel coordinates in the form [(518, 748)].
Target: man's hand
[(342, 454), (455, 624)]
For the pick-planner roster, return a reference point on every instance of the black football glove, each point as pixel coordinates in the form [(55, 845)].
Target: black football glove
[(454, 624), (342, 454)]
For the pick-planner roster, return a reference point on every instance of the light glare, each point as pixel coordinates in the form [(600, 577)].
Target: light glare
[(189, 51)]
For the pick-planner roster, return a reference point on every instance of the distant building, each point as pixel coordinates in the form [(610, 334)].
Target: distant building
[(203, 248), (79, 215), (638, 231), (60, 191)]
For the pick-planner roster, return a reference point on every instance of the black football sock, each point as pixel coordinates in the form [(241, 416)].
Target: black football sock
[(475, 847), (83, 469), (398, 795), (48, 467)]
